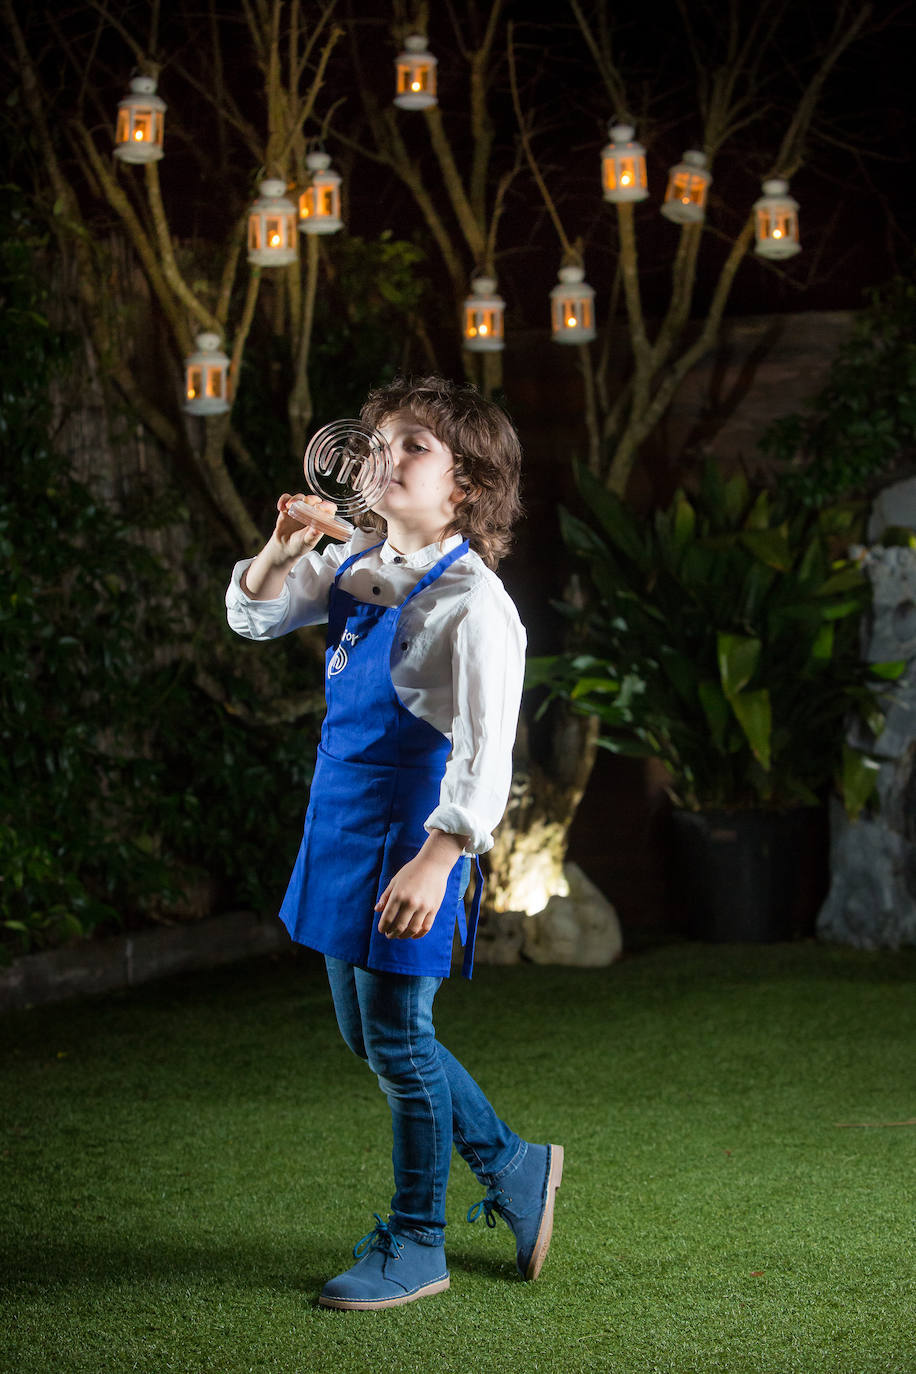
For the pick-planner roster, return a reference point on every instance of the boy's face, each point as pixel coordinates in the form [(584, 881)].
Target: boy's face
[(423, 486)]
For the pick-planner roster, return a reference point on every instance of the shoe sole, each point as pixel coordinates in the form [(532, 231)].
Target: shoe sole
[(375, 1304), (545, 1230)]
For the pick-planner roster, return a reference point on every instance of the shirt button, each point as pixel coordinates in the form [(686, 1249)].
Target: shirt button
[(398, 558), (403, 645), (376, 591)]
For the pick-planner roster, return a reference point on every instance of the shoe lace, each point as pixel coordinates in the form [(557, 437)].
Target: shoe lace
[(381, 1237), (489, 1207)]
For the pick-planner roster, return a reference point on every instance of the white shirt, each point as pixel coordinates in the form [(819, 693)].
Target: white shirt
[(457, 660)]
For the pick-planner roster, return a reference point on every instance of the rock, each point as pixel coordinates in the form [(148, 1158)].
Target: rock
[(580, 929), (895, 505), (872, 898), (499, 938)]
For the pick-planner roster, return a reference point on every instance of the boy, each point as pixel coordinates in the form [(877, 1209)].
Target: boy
[(424, 673)]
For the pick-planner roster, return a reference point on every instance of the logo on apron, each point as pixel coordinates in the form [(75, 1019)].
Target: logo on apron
[(339, 659), (338, 662)]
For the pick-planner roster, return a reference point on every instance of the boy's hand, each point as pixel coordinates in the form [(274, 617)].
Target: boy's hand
[(293, 537), (409, 903), (264, 577)]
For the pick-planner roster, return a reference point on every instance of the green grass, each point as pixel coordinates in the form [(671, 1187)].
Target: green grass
[(185, 1164)]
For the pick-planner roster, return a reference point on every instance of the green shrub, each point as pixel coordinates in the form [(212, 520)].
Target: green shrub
[(121, 781)]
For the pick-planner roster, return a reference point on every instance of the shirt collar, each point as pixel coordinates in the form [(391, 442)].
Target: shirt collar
[(423, 558)]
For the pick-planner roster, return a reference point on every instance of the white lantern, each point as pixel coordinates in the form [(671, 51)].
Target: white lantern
[(776, 215), (139, 130), (206, 375), (623, 166), (572, 308), (272, 227), (319, 204), (416, 75), (688, 185), (483, 317)]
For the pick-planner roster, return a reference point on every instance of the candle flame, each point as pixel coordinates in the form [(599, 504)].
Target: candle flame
[(138, 135), (275, 240), (483, 329), (777, 233), (625, 179), (415, 86), (571, 322)]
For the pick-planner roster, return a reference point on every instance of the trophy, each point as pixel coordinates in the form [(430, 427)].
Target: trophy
[(348, 463)]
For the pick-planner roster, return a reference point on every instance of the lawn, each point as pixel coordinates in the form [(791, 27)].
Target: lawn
[(186, 1163)]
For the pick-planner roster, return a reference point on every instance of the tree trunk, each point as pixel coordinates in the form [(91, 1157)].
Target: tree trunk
[(527, 859)]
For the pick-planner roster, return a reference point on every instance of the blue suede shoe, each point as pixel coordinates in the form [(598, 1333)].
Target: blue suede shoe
[(526, 1205), (392, 1269)]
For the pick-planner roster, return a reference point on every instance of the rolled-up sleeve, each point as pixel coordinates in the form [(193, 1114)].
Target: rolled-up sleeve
[(303, 599), (488, 662)]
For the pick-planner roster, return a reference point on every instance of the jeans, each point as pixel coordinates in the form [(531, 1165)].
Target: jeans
[(386, 1019)]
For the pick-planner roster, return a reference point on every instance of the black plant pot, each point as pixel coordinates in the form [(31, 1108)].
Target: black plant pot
[(737, 872)]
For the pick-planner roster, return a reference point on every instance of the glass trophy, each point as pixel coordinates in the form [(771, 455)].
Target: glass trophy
[(350, 464)]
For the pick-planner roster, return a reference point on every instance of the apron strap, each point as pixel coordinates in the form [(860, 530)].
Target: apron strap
[(352, 559), (470, 940), (436, 571)]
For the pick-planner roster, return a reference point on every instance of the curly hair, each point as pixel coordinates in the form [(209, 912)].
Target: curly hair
[(485, 446)]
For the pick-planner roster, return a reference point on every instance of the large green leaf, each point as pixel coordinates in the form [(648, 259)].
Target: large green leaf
[(822, 648), (682, 672), (843, 580), (616, 520), (858, 779), (755, 716), (890, 669), (579, 536), (736, 495), (758, 517), (738, 656), (716, 710), (684, 525), (770, 546)]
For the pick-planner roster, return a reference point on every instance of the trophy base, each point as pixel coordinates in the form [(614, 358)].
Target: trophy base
[(322, 520)]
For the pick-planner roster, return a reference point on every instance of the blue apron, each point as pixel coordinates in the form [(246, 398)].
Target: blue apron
[(376, 780)]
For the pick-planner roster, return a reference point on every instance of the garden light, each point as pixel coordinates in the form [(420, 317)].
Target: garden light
[(572, 308), (483, 317), (623, 166), (688, 185), (319, 204), (416, 75), (272, 227), (207, 378), (139, 130), (776, 216)]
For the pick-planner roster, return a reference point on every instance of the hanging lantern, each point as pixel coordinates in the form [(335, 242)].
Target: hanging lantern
[(319, 204), (572, 308), (777, 221), (623, 166), (688, 185), (206, 375), (141, 115), (272, 227), (416, 75), (483, 317)]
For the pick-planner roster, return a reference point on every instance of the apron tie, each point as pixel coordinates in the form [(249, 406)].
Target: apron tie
[(471, 937)]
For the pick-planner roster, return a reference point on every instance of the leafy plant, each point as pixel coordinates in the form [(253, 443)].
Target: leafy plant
[(864, 418), (723, 639), (120, 780)]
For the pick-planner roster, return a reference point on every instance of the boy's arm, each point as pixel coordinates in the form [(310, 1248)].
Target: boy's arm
[(263, 579), (488, 666)]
